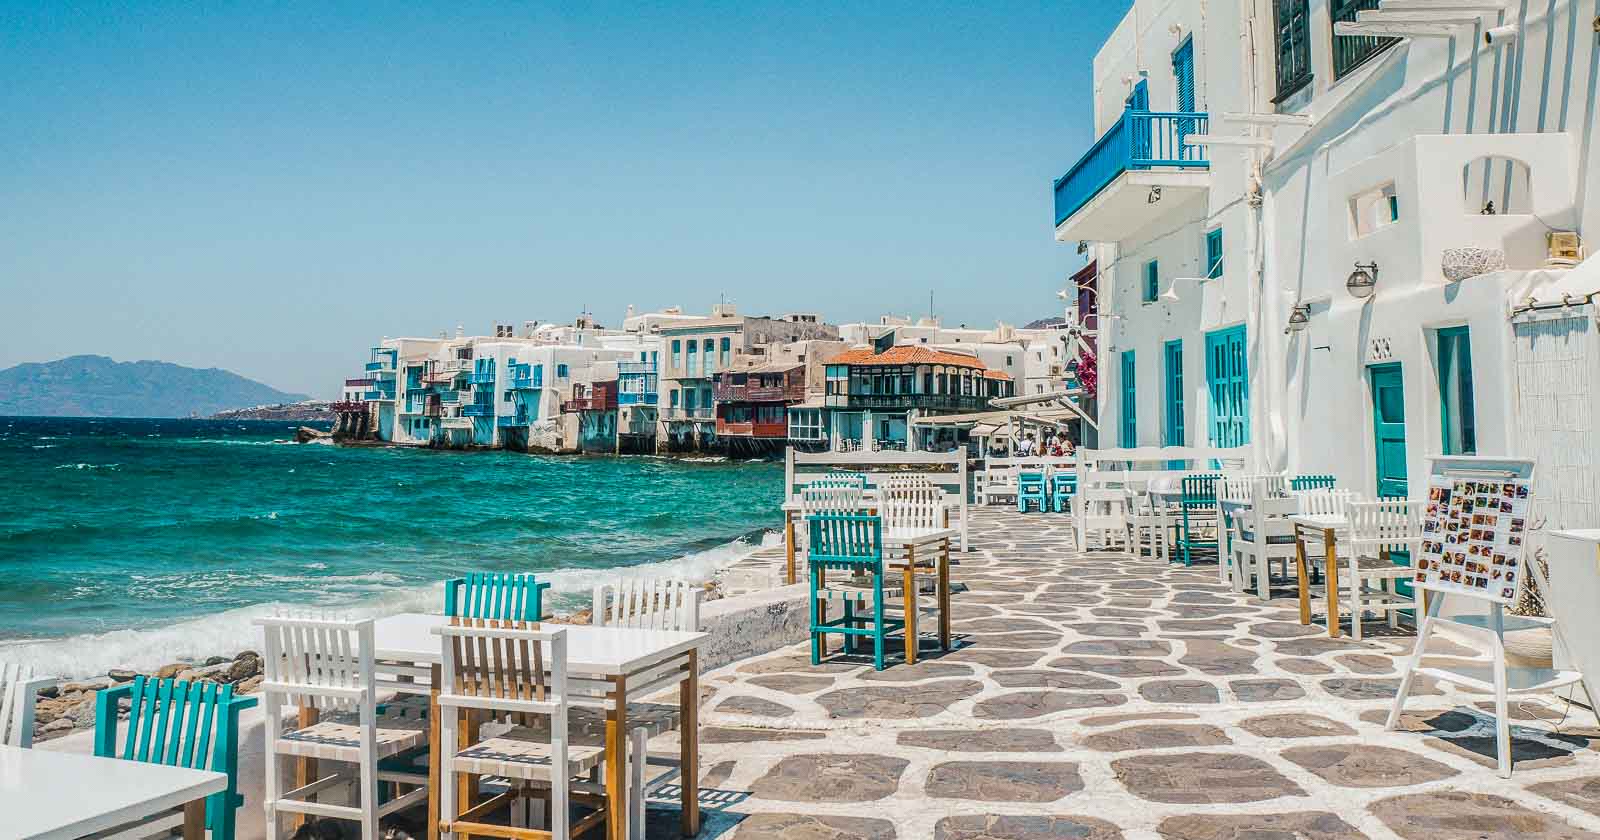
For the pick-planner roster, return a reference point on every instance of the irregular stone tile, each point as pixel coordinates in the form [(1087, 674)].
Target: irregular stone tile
[(1368, 765), (1055, 599), (1301, 825), (1125, 585), (1009, 827), (1526, 753), (1117, 667), (1019, 641), (1217, 658), (1266, 690), (1582, 792), (1204, 598), (1019, 705), (799, 662), (1051, 679), (1459, 815), (1117, 612), (1113, 720), (994, 658), (1367, 663), (1308, 667), (1380, 688), (1121, 647), (961, 611), (1285, 630), (981, 740), (1180, 691), (753, 706), (1202, 778), (924, 669), (792, 683), (1247, 641), (738, 735), (1110, 629), (718, 774), (1438, 720), (1157, 736), (1198, 625), (889, 702), (826, 777), (1313, 646), (1003, 781), (1130, 603), (1006, 625), (1209, 610), (812, 827), (1294, 725)]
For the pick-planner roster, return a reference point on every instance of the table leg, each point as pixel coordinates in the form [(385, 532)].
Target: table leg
[(788, 542), (433, 756), (1329, 540), (466, 783), (910, 581), (944, 595), (305, 769), (616, 771), (1302, 574), (689, 746), (194, 820)]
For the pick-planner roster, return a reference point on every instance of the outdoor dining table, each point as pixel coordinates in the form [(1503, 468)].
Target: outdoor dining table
[(1330, 526), (635, 662), (49, 794), (908, 541), (793, 508)]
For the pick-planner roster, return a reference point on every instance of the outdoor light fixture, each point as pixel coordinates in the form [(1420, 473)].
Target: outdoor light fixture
[(1155, 195), (1363, 281), (1299, 318)]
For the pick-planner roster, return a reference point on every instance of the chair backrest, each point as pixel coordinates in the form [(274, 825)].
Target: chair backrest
[(896, 482), (912, 507), (845, 539), (1392, 524), (502, 596), (648, 604), (1241, 488), (857, 478), (505, 667), (319, 663), (1030, 476), (1325, 502), (178, 724), (18, 689), (1199, 491), (1311, 482), (826, 496), (1266, 504)]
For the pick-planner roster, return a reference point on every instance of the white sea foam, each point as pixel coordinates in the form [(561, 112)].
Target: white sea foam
[(356, 596)]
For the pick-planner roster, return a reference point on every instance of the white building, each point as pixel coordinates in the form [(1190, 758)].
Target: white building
[(1035, 359), (1324, 150)]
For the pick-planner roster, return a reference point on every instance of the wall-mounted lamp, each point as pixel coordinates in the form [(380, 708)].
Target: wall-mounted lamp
[(1171, 294), (1155, 195), (1299, 318), (1363, 281)]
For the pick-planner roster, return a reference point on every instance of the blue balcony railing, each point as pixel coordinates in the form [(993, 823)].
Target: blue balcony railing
[(477, 410), (1138, 140), (526, 383), (481, 377), (510, 421)]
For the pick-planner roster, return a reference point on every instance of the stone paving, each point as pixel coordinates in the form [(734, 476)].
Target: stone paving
[(1099, 696)]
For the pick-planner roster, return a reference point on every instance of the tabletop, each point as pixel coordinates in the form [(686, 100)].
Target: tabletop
[(1321, 521), (605, 651), (49, 794)]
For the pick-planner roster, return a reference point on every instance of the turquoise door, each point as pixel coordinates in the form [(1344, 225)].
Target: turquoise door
[(1389, 428), (1130, 401), (1228, 385)]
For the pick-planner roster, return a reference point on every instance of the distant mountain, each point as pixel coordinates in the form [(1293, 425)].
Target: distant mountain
[(95, 386)]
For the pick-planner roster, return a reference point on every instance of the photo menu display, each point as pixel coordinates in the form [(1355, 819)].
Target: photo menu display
[(1472, 536)]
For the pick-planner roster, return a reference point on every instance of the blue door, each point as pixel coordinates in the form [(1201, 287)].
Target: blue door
[(1130, 425), (1228, 385), (1389, 428), (1172, 434), (1183, 77)]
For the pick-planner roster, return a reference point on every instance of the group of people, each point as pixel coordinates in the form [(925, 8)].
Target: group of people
[(1049, 443)]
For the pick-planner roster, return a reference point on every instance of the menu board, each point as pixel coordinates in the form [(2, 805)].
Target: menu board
[(1472, 537)]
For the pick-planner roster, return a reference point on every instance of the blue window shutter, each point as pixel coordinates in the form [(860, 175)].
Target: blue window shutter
[(1214, 253), (1183, 73), (1152, 281), (1174, 393), (1130, 426)]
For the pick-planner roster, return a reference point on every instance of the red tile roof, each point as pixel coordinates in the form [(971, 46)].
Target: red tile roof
[(996, 374), (905, 354)]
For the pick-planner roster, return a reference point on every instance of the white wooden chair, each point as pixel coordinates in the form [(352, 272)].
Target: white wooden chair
[(1377, 531), (1102, 511), (1260, 535), (1145, 523), (1325, 502), (506, 673), (327, 665), (649, 605), (19, 687)]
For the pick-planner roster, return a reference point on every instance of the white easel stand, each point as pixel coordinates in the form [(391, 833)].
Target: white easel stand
[(1490, 628)]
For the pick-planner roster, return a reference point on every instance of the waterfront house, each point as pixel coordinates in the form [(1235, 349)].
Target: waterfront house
[(1342, 231), (872, 396), (1035, 359)]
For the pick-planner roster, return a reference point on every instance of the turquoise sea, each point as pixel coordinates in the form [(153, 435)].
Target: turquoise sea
[(135, 542)]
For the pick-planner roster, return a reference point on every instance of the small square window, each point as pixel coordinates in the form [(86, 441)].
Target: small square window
[(1152, 281), (1214, 253)]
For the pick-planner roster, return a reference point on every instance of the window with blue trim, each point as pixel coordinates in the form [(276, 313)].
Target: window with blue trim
[(1183, 75), (1455, 392), (1214, 253), (1152, 281), (1130, 425), (561, 371)]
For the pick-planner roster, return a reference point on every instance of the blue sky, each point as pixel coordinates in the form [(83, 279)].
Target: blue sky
[(270, 187)]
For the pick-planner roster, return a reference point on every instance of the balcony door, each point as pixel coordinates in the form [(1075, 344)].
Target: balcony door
[(1183, 78), (1228, 385)]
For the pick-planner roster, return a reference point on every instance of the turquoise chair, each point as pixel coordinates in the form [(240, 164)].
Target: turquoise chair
[(1197, 502), (1063, 486), (495, 595), (178, 724), (1030, 488), (1311, 482), (851, 544)]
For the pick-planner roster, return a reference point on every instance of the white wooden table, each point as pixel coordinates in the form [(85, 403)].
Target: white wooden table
[(613, 663), (1330, 527), (904, 544), (48, 794)]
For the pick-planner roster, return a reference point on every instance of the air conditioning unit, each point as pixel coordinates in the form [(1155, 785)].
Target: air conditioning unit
[(1565, 247)]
